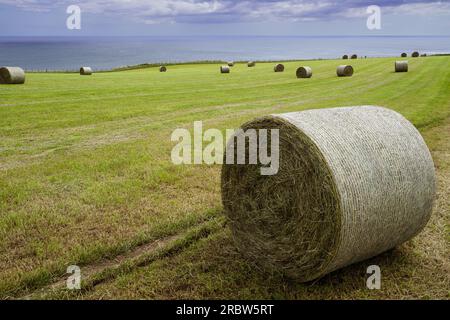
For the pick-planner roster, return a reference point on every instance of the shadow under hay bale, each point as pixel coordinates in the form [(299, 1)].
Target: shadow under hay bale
[(355, 56), (415, 54), (86, 71), (251, 64), (12, 75), (279, 68), (345, 57), (401, 66), (304, 72), (352, 183), (163, 69), (404, 55), (224, 69), (344, 71)]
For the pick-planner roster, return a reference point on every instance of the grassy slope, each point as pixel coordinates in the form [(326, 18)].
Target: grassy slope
[(85, 174)]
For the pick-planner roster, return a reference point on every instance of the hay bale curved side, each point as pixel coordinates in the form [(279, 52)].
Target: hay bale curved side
[(401, 66), (162, 69), (86, 71), (304, 72), (345, 191), (251, 64), (415, 54), (344, 71), (231, 63), (224, 69), (12, 75), (279, 67)]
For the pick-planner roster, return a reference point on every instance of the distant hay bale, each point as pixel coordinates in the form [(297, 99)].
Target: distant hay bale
[(163, 69), (415, 54), (304, 72), (404, 55), (251, 64), (344, 71), (401, 66), (85, 71), (224, 69), (423, 55), (12, 75), (352, 183), (345, 57), (231, 64), (355, 56), (279, 68)]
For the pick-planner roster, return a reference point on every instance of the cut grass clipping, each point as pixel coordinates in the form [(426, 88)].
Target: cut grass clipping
[(304, 72), (85, 71), (344, 71), (401, 66), (353, 182), (12, 75), (279, 68), (224, 69)]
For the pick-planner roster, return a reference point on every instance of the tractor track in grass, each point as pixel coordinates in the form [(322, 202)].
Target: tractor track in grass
[(140, 256)]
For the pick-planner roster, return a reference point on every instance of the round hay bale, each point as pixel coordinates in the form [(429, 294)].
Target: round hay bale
[(404, 55), (423, 55), (304, 72), (86, 71), (251, 64), (352, 183), (163, 69), (279, 68), (230, 64), (344, 71), (345, 57), (415, 54), (401, 66), (355, 56), (224, 69), (12, 75)]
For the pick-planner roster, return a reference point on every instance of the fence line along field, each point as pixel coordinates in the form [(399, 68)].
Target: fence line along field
[(86, 179)]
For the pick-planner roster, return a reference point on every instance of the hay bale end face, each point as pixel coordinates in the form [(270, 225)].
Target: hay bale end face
[(345, 57), (12, 75), (163, 69), (279, 68), (345, 71), (86, 71), (251, 64), (404, 55), (355, 56), (304, 72), (352, 183), (401, 66), (415, 54), (224, 69), (230, 64)]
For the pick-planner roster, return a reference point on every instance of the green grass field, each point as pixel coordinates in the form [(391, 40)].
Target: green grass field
[(86, 178)]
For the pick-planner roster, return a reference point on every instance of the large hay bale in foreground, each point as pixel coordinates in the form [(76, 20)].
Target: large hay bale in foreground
[(86, 71), (401, 66), (352, 183), (251, 64), (163, 69), (279, 67), (415, 54), (344, 71), (404, 55), (345, 57), (304, 72), (224, 69), (12, 75)]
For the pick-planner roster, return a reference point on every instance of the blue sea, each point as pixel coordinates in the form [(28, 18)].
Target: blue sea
[(102, 53)]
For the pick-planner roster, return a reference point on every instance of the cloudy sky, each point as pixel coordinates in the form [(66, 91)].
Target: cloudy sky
[(224, 17)]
